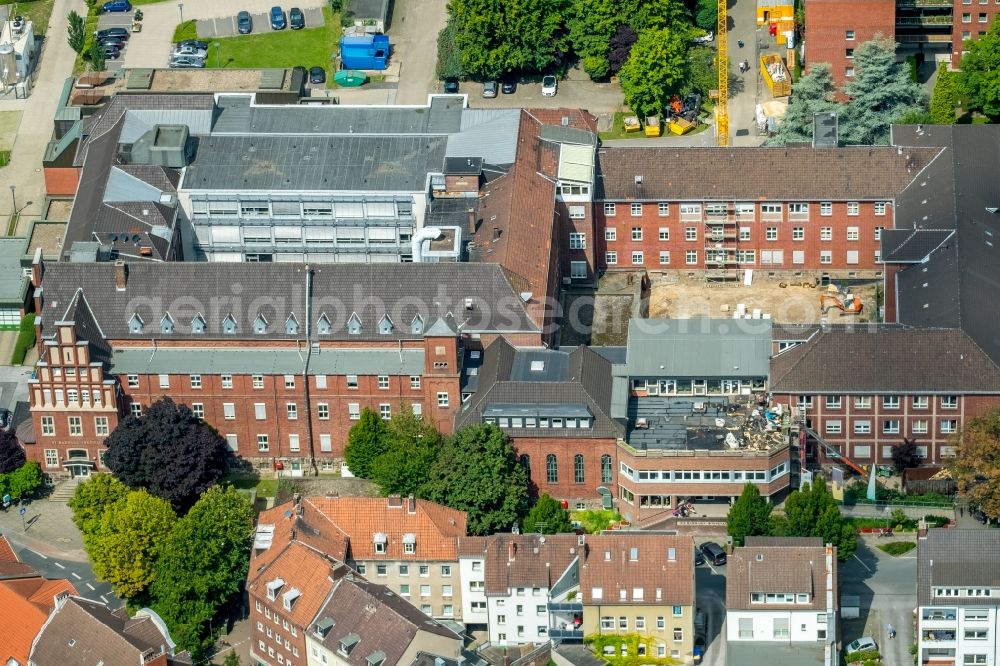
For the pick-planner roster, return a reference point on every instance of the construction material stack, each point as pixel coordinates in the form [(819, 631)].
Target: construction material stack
[(776, 76)]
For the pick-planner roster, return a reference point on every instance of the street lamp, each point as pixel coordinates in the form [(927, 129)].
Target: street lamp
[(216, 45), (13, 199), (180, 6)]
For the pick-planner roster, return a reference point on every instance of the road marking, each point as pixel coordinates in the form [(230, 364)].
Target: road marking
[(59, 565), (862, 563), (92, 589), (75, 575), (103, 599), (41, 556)]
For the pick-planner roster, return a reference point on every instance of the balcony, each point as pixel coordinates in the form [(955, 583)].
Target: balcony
[(905, 4), (937, 635), (566, 606), (566, 635), (919, 39), (932, 20)]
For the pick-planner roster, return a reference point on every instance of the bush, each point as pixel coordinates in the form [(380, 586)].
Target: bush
[(895, 548), (872, 658), (25, 339)]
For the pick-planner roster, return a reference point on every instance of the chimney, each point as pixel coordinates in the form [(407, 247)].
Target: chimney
[(37, 269), (472, 221), (121, 275), (922, 529), (496, 233), (511, 551), (411, 505)]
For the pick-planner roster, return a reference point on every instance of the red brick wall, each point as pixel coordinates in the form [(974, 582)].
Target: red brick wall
[(257, 635), (650, 221), (61, 181), (584, 225), (827, 23), (962, 31), (565, 450)]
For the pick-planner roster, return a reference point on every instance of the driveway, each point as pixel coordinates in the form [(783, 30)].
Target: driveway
[(151, 47), (746, 90), (413, 31), (710, 588), (117, 20), (572, 93), (226, 25)]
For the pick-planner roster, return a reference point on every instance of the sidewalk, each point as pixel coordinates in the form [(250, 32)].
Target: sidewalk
[(51, 532)]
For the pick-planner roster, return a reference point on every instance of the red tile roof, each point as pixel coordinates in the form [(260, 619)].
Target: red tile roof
[(25, 605), (779, 565), (7, 553), (527, 560), (630, 562), (301, 568)]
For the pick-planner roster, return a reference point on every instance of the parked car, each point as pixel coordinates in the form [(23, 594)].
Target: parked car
[(278, 18), (863, 644), (699, 558), (317, 75), (196, 43), (451, 85), (120, 33), (713, 553), (296, 19), (490, 89), (117, 6), (189, 51), (186, 62), (244, 24), (704, 39), (111, 52), (508, 86), (111, 43), (549, 86)]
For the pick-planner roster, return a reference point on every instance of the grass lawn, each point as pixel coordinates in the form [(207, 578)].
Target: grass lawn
[(287, 48), (897, 547), (39, 12), (593, 521), (617, 130), (9, 122), (264, 487)]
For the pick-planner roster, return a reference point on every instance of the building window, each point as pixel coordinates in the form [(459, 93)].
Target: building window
[(983, 17), (966, 17), (353, 411), (849, 35), (259, 411), (635, 209), (771, 233), (949, 426), (862, 427), (890, 402), (609, 209), (289, 381), (880, 207), (798, 233), (610, 234), (352, 382), (414, 381), (578, 270), (849, 54), (663, 209), (825, 257), (293, 442), (664, 257), (826, 233), (577, 241), (551, 469), (226, 381), (637, 233), (833, 402), (826, 208), (678, 635), (890, 426), (611, 258), (442, 399), (578, 468), (133, 381), (853, 208), (949, 402), (385, 411), (75, 426), (637, 258), (48, 426), (605, 468), (195, 381), (664, 233), (135, 409), (833, 427), (292, 410), (691, 257), (920, 402), (323, 411), (577, 212), (51, 457), (383, 382), (262, 444)]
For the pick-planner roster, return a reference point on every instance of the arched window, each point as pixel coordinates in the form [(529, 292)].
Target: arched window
[(578, 468), (605, 468), (526, 461), (551, 469)]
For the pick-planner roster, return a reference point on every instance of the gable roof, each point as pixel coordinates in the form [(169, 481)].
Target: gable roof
[(885, 358), (779, 565), (808, 174), (302, 568), (25, 604), (608, 564), (959, 559), (526, 560)]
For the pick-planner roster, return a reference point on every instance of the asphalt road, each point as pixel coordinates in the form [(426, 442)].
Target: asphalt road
[(78, 573), (710, 586)]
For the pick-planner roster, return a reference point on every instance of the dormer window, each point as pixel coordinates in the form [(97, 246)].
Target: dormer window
[(135, 324), (323, 325), (288, 598), (291, 325), (273, 587), (229, 325), (259, 325), (409, 543), (198, 324), (375, 659), (348, 643), (354, 325), (380, 540), (385, 326), (417, 325), (167, 324)]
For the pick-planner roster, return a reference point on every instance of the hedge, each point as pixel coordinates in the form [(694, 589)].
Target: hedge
[(25, 339)]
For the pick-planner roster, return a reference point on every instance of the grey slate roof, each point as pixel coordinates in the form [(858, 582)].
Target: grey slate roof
[(489, 133), (807, 174), (215, 290), (706, 348), (247, 360), (314, 163), (568, 381), (13, 283), (885, 359), (912, 245), (367, 9), (781, 565), (959, 559)]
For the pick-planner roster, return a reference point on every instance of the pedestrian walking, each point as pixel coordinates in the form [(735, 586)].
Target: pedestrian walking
[(961, 512), (890, 631), (740, 42)]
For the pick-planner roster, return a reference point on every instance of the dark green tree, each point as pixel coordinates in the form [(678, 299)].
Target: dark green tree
[(644, 15), (11, 453), (880, 93), (547, 517), (476, 471), (750, 515), (976, 467), (203, 565), (411, 446), (944, 99), (96, 56), (905, 455), (980, 73), (366, 441), (168, 451), (813, 94), (706, 14), (92, 498), (76, 29), (449, 58), (656, 64), (813, 512)]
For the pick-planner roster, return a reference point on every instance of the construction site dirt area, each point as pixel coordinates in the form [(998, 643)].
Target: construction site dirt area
[(675, 297)]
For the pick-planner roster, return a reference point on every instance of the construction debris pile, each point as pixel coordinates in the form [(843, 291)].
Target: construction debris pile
[(752, 426)]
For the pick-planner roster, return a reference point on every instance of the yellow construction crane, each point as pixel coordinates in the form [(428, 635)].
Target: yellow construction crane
[(722, 104)]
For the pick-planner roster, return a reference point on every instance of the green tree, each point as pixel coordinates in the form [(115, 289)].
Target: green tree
[(976, 467), (813, 512), (23, 481), (366, 441), (706, 14), (232, 659), (591, 24), (880, 93), (76, 29), (813, 94), (96, 56), (547, 517), (643, 15), (944, 99), (657, 63), (476, 471), (411, 445), (92, 498), (750, 515), (202, 566), (495, 38), (131, 536), (980, 73), (449, 58), (703, 71)]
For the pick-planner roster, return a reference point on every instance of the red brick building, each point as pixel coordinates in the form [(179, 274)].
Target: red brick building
[(783, 212), (835, 28), (281, 374)]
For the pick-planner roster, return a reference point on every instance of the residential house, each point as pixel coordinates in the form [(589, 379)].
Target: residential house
[(80, 631), (366, 624), (958, 606), (639, 584), (781, 597), (472, 576), (26, 601)]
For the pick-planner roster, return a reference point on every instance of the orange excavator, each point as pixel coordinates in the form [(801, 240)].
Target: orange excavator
[(844, 301)]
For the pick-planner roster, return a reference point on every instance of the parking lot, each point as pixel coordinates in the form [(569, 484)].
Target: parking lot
[(226, 26), (117, 20)]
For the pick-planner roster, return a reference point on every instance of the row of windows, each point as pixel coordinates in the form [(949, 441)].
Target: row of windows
[(423, 570), (579, 468), (888, 402), (261, 325), (538, 422), (766, 209), (718, 234), (639, 622), (52, 456), (75, 426), (71, 396), (257, 381), (890, 426), (767, 257)]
